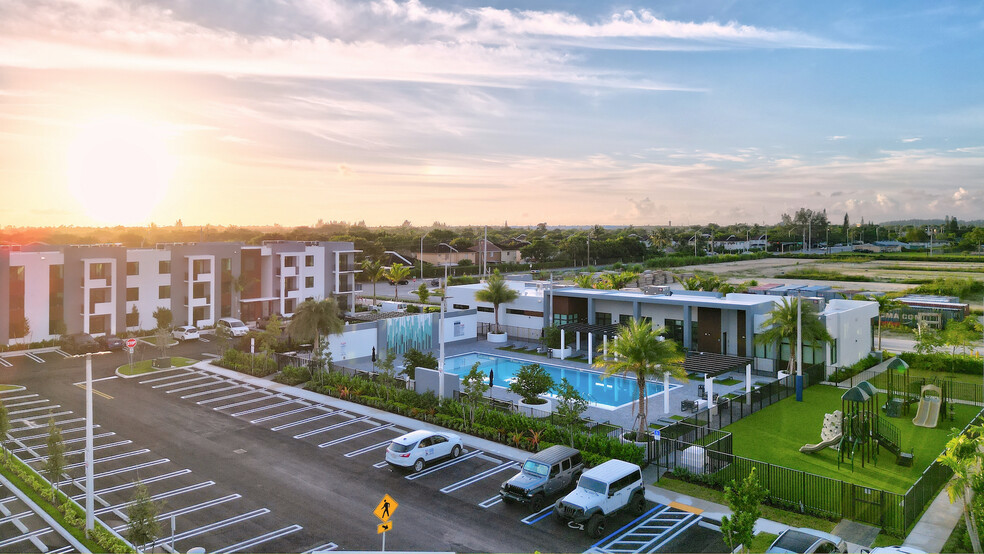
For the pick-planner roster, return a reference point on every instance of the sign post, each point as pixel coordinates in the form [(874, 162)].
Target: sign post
[(384, 511), (130, 345)]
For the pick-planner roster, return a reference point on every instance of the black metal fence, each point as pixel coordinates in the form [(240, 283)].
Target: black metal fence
[(515, 333)]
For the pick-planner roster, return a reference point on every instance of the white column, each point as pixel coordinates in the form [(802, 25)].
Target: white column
[(577, 340), (590, 348), (604, 347), (709, 387), (748, 379), (563, 343), (666, 393)]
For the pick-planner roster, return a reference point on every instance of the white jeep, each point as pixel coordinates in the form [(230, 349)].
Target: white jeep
[(601, 491)]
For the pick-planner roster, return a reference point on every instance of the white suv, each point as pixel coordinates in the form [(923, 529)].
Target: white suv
[(601, 491), (235, 327)]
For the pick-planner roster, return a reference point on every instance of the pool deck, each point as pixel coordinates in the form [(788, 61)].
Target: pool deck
[(623, 416)]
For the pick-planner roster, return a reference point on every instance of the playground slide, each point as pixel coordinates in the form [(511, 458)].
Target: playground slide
[(928, 413), (810, 448)]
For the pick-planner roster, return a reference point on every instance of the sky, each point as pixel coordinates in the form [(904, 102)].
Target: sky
[(476, 112)]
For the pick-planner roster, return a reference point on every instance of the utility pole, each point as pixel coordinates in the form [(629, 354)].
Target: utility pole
[(89, 495), (799, 348)]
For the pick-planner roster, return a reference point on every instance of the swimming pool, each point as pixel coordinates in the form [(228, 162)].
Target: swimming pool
[(609, 393)]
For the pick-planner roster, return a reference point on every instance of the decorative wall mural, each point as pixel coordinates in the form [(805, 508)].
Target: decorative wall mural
[(404, 333)]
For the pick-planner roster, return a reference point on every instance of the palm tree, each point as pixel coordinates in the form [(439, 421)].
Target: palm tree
[(314, 318), (496, 292), (645, 352), (617, 281), (660, 238), (962, 455), (397, 273), (374, 271), (781, 325), (584, 280)]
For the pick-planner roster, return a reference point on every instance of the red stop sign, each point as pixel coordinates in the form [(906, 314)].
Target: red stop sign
[(130, 343)]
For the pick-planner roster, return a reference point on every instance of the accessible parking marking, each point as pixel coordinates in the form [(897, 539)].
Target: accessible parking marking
[(533, 518), (647, 533)]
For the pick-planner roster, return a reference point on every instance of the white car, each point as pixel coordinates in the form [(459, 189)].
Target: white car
[(418, 448), (186, 332), (235, 327), (807, 541)]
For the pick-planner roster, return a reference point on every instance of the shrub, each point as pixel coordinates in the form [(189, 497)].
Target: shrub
[(530, 382), (293, 375), (413, 358)]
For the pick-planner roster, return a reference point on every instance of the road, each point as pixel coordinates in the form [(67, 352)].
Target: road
[(245, 469)]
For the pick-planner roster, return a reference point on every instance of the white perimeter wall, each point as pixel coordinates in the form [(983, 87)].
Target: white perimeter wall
[(468, 328), (352, 344), (464, 295), (850, 324)]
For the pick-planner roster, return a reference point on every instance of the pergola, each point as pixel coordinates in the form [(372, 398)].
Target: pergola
[(711, 365), (591, 330)]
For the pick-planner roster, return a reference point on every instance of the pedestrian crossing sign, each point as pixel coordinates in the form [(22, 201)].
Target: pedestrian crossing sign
[(386, 507)]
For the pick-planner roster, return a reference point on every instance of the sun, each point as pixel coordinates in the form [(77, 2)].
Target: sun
[(119, 169)]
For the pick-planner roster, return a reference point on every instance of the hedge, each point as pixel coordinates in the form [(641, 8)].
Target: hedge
[(259, 365), (940, 361)]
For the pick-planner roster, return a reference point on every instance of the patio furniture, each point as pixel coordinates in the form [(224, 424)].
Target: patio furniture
[(688, 405)]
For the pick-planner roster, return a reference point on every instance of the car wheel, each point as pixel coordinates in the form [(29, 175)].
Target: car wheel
[(638, 504), (456, 451), (418, 465), (536, 503), (596, 526)]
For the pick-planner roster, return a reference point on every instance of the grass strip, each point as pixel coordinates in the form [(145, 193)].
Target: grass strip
[(146, 366)]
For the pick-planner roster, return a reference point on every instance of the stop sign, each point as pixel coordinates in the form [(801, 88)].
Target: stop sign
[(130, 343)]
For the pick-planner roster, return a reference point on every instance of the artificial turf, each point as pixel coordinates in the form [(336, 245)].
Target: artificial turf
[(775, 434)]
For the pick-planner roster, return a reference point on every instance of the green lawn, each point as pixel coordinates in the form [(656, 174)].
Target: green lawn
[(9, 387), (776, 433), (144, 366), (916, 374)]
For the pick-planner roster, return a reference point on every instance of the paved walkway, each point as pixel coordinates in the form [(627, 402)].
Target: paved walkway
[(931, 531)]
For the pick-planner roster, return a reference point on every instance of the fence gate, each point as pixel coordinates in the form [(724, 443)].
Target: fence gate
[(868, 505)]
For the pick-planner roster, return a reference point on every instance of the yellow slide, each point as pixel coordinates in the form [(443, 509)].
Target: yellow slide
[(928, 413)]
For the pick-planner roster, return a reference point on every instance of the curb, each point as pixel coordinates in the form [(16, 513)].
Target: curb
[(44, 515)]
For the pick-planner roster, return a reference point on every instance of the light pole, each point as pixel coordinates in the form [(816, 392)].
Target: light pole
[(588, 262), (444, 297), (89, 496), (421, 258)]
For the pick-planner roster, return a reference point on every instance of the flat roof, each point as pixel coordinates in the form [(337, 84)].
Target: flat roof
[(677, 298)]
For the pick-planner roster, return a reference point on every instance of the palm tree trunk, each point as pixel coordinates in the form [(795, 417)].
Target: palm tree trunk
[(374, 293), (496, 310), (641, 382), (975, 540)]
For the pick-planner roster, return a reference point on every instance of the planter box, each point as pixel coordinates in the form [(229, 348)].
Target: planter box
[(497, 337), (161, 363), (561, 354), (546, 407)]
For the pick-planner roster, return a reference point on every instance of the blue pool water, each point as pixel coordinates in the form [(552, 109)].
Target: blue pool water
[(610, 392)]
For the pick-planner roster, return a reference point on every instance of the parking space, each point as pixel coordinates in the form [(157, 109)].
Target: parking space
[(205, 513)]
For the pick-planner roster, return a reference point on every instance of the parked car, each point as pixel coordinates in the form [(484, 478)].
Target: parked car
[(186, 332), (111, 342), (79, 343), (895, 550), (235, 327), (544, 475), (601, 492), (419, 448), (806, 541)]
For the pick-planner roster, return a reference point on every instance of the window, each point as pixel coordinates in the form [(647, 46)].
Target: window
[(833, 352), (98, 324), (164, 267), (564, 319), (290, 261), (201, 266), (132, 268), (624, 319), (460, 306), (100, 271), (132, 294), (200, 290), (164, 291), (602, 318), (486, 309), (529, 313), (309, 282), (308, 261), (566, 464), (133, 319)]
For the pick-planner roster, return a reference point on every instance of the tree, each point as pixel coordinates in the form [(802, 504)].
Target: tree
[(496, 292), (164, 318), (142, 526), (4, 429), (474, 385), (781, 326), (745, 500), (644, 352), (660, 239), (312, 319), (886, 305), (530, 382), (223, 338), (963, 455), (397, 273), (270, 336), (54, 464), (584, 280), (240, 284), (570, 405), (927, 340), (163, 338), (423, 293), (387, 373), (20, 327), (539, 250), (374, 271), (413, 358)]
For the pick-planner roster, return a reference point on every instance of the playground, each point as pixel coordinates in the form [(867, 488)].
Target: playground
[(776, 434)]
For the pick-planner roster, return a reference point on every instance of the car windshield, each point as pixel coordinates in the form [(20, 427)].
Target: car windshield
[(400, 448), (593, 485), (536, 468), (794, 541), (237, 324)]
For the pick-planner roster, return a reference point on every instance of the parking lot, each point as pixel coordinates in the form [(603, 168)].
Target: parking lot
[(244, 468)]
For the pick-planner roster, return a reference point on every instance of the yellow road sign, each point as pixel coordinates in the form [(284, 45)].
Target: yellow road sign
[(384, 527), (386, 508)]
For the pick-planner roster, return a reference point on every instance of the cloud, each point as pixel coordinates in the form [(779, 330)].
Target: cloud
[(913, 139), (837, 137)]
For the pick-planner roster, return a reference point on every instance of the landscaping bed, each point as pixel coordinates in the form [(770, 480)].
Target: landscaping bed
[(146, 366)]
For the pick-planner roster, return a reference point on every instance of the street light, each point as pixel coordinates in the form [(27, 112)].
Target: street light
[(444, 297)]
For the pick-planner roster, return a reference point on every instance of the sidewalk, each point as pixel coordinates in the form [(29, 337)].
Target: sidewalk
[(929, 534)]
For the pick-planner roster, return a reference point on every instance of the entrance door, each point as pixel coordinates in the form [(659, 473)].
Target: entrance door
[(709, 330)]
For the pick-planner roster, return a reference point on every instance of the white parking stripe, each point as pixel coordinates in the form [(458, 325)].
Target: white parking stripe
[(25, 537), (323, 548), (307, 420), (379, 465), (184, 372), (28, 403), (197, 394), (34, 357), (29, 410), (5, 363), (190, 509), (330, 427), (62, 353), (8, 399), (70, 441), (490, 502), (354, 435), (266, 396), (131, 484), (63, 432), (111, 458), (355, 453), (160, 496), (282, 414), (531, 519), (192, 387), (217, 525), (221, 398), (476, 478), (70, 452), (443, 465), (42, 416), (123, 470), (249, 543), (192, 380), (264, 408)]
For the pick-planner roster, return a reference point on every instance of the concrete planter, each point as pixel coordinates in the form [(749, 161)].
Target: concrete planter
[(546, 407), (558, 353), (497, 337)]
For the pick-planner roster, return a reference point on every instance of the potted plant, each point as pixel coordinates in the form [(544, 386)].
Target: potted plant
[(530, 382), (551, 339), (496, 292)]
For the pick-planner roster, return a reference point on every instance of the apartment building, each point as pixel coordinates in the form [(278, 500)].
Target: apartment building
[(46, 290)]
